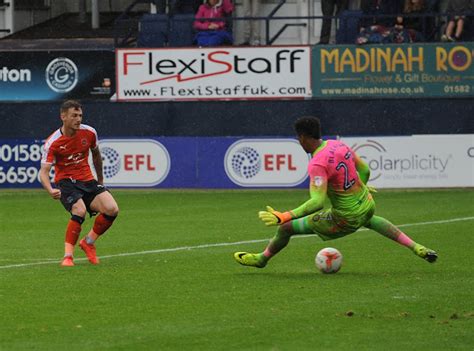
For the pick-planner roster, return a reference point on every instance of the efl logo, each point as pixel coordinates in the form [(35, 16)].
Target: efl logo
[(134, 162), (266, 163)]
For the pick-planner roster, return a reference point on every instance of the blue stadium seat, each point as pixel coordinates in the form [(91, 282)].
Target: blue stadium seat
[(153, 30), (181, 30)]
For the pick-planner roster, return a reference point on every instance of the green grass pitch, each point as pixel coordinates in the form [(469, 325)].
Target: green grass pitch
[(167, 279)]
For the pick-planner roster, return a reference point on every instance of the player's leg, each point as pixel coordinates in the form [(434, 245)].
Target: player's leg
[(321, 223), (276, 244), (73, 230), (105, 204), (71, 199), (387, 229)]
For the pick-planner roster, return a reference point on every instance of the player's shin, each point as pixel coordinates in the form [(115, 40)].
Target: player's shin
[(387, 229), (101, 224), (72, 234), (279, 241)]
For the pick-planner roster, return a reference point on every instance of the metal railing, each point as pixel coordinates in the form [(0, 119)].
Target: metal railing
[(127, 24), (6, 8)]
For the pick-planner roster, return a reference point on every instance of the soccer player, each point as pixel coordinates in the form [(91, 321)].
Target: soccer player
[(68, 150), (336, 172)]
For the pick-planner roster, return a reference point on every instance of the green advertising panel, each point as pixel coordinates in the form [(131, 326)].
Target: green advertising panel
[(393, 71)]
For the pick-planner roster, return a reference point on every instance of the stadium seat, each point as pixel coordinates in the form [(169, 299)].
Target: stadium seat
[(181, 31), (153, 30)]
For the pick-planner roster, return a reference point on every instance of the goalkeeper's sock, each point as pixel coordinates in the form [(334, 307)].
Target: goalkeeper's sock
[(387, 229), (267, 254), (278, 242)]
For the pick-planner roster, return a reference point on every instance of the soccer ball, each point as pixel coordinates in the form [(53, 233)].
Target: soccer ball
[(328, 260)]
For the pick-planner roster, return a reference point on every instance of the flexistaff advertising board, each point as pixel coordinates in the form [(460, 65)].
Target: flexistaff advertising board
[(224, 73)]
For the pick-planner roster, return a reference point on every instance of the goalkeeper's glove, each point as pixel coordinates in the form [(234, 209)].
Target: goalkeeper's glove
[(271, 217)]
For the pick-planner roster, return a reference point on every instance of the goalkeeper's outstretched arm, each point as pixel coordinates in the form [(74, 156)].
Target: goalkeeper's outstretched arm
[(317, 198), (317, 190), (362, 168)]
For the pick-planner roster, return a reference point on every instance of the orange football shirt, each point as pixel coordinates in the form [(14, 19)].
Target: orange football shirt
[(70, 155)]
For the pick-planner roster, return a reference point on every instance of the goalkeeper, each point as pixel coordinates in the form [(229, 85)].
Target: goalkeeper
[(336, 172)]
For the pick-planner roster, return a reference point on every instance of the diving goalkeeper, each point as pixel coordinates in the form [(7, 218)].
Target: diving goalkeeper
[(336, 172)]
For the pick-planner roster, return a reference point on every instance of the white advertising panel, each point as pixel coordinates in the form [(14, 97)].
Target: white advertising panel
[(419, 161), (134, 162), (213, 73), (266, 163)]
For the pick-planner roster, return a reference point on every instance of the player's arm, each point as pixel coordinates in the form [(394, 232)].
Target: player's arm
[(44, 179), (97, 161), (362, 168), (317, 191)]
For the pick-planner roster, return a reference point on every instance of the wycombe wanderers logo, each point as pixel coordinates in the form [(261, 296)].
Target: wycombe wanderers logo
[(62, 75), (246, 162)]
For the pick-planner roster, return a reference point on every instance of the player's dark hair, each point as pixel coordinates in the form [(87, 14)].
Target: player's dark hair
[(70, 104), (308, 126)]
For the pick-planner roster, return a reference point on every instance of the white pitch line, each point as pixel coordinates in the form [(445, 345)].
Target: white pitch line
[(204, 246)]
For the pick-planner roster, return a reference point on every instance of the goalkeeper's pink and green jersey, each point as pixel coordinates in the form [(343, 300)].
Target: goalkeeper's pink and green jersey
[(335, 164)]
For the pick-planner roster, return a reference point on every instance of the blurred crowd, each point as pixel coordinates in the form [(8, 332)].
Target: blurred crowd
[(344, 22)]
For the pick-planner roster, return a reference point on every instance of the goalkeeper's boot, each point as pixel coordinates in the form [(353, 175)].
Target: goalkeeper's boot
[(425, 253), (89, 250), (67, 261), (250, 259)]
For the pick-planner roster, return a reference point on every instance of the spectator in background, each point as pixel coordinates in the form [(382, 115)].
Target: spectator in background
[(456, 20), (251, 8), (443, 6), (327, 8), (184, 6), (380, 8), (412, 27), (432, 5), (160, 6), (213, 32)]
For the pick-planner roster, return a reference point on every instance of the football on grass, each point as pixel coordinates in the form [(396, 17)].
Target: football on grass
[(328, 260)]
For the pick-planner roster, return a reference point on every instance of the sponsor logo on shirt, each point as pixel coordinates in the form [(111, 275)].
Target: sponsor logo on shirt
[(318, 181)]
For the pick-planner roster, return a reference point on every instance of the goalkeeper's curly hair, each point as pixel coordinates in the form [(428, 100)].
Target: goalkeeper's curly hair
[(308, 126)]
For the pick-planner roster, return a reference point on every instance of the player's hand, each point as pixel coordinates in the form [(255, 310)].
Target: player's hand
[(271, 217), (372, 189), (55, 194)]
